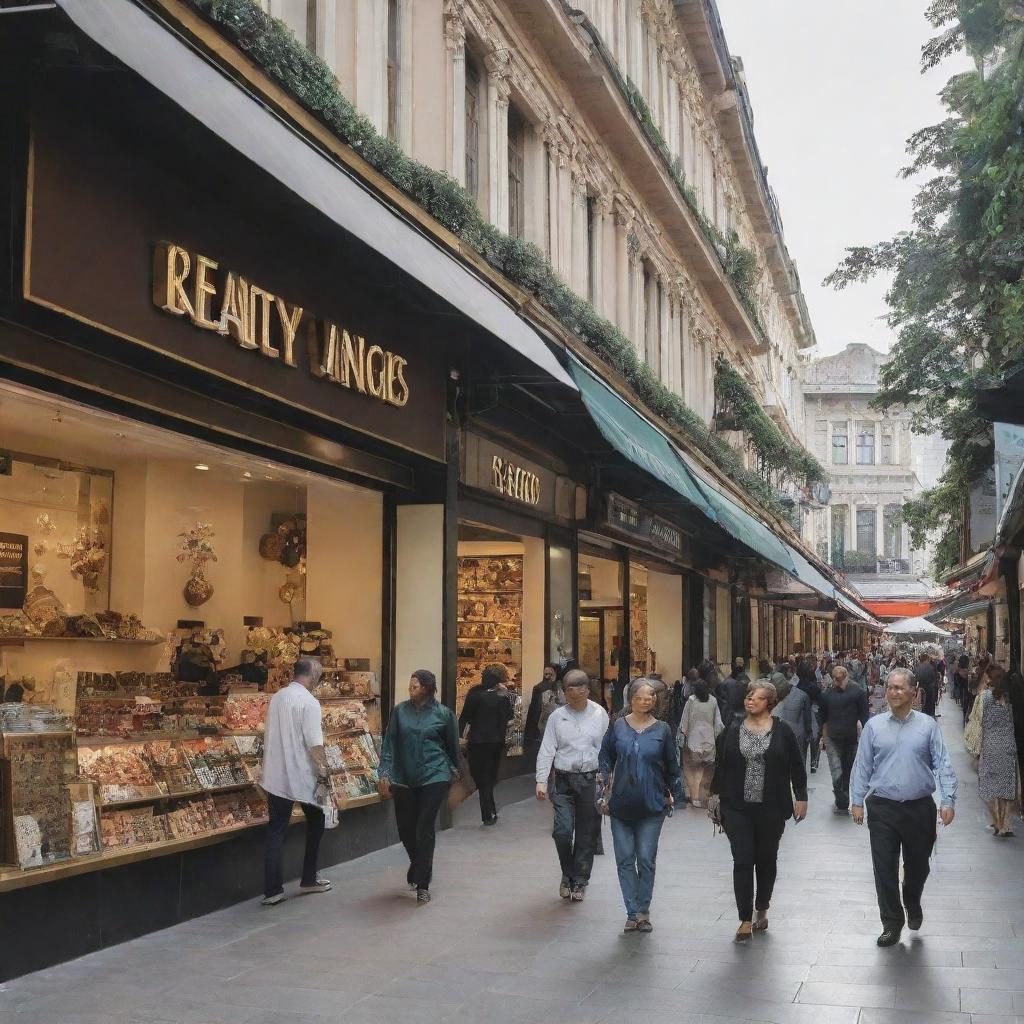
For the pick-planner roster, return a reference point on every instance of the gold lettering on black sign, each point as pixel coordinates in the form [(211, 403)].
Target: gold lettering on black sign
[(184, 285), (515, 482)]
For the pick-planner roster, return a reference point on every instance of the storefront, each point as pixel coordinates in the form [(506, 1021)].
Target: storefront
[(517, 513), (225, 440)]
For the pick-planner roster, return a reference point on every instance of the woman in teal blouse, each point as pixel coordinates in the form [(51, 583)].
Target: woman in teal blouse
[(418, 759)]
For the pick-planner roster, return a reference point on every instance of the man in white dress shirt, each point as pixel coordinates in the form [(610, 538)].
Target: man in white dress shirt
[(568, 762), (294, 763)]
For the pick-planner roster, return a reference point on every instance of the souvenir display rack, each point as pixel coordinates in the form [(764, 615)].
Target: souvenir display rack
[(152, 765), (490, 618)]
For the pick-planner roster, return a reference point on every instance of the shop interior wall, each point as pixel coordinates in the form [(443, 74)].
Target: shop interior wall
[(344, 577), (605, 580), (665, 622), (419, 593), (155, 499)]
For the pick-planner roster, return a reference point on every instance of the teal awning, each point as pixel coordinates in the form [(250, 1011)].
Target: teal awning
[(810, 577), (740, 524), (637, 438)]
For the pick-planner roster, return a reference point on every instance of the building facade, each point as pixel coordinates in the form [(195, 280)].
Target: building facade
[(875, 462), (533, 107)]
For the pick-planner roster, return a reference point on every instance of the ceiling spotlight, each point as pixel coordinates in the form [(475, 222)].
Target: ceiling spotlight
[(201, 465)]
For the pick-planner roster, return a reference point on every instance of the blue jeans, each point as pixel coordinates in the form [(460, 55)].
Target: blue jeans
[(636, 849)]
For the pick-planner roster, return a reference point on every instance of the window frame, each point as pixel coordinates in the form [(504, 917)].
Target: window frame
[(516, 143), (474, 81)]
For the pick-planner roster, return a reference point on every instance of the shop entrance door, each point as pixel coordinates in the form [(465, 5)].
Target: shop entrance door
[(600, 647)]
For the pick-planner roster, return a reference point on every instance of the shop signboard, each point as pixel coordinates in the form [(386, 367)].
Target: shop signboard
[(628, 517), (211, 267), (507, 475), (982, 503), (13, 569)]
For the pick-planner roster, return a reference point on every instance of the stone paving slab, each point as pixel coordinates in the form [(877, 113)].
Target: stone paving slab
[(497, 945)]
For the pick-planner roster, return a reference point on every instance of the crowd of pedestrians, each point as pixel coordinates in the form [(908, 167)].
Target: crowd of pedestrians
[(739, 748)]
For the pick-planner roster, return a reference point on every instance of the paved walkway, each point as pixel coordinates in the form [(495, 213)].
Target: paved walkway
[(497, 946)]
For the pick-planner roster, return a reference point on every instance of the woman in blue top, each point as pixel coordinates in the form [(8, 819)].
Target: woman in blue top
[(639, 758)]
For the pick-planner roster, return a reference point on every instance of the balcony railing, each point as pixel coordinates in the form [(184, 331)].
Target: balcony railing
[(864, 566)]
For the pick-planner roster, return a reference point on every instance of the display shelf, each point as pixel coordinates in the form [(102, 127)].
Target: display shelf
[(341, 700), (81, 640), (12, 878), (20, 733), (156, 737), (185, 794)]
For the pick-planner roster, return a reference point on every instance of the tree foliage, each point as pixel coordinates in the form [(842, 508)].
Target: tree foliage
[(956, 300)]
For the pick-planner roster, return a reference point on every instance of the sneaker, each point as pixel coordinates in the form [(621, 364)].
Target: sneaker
[(841, 810), (577, 893), (320, 885), (889, 937), (565, 888), (643, 924), (272, 901), (422, 895), (630, 925), (814, 768)]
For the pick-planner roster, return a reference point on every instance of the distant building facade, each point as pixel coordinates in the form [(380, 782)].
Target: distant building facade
[(876, 464)]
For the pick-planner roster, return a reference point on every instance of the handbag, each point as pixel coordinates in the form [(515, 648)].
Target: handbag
[(715, 813), (463, 787), (972, 733)]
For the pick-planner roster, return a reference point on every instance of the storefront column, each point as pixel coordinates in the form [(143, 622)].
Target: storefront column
[(419, 595), (622, 278), (666, 335), (497, 64), (455, 43), (580, 255)]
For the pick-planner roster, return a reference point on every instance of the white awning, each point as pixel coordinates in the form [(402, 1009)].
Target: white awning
[(164, 60)]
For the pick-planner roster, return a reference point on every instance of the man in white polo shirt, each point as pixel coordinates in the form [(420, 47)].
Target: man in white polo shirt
[(293, 763), (568, 755)]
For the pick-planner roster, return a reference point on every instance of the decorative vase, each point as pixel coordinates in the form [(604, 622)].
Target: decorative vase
[(198, 590)]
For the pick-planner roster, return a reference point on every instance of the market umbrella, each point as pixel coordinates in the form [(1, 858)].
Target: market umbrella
[(915, 626)]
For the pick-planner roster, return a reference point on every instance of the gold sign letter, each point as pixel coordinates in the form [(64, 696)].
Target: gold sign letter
[(171, 265), (203, 290), (289, 328)]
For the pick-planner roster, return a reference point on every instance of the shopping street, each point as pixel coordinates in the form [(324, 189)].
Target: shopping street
[(496, 944)]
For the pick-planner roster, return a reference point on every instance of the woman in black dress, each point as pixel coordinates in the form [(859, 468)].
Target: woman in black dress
[(758, 770)]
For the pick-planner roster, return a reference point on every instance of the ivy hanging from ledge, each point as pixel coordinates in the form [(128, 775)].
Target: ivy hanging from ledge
[(779, 459), (273, 46)]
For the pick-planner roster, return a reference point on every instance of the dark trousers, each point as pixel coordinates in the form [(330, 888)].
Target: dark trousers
[(894, 825), (416, 810), (841, 753), (754, 838), (280, 811), (484, 761), (577, 823)]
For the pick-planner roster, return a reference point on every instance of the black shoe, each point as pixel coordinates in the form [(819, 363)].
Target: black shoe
[(889, 937), (814, 768), (422, 895), (914, 921), (491, 821), (577, 893)]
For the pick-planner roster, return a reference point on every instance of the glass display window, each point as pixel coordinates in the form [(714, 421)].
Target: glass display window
[(156, 591)]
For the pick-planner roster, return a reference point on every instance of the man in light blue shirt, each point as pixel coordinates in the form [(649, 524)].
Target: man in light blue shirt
[(900, 758)]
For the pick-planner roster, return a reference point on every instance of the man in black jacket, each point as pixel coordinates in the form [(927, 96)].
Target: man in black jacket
[(545, 698), (486, 713), (928, 682), (807, 680), (843, 712)]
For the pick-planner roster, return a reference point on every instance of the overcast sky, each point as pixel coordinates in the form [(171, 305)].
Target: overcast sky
[(836, 91)]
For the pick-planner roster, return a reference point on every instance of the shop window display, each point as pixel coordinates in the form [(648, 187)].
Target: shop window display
[(144, 725)]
